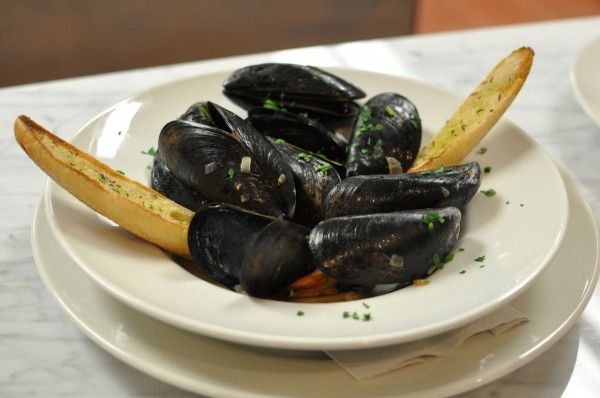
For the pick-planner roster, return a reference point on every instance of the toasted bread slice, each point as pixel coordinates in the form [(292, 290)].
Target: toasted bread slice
[(135, 207), (477, 114)]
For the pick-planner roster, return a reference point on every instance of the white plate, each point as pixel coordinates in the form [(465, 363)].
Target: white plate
[(517, 241), (585, 78), (215, 368)]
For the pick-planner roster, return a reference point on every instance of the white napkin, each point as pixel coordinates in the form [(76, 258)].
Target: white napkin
[(363, 364)]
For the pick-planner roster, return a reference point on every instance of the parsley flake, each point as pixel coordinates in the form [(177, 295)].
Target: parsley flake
[(150, 151), (366, 305), (482, 150), (462, 272), (346, 314), (230, 173), (366, 317), (324, 169), (489, 192), (480, 259), (390, 111), (272, 104), (120, 172), (280, 141), (487, 169), (304, 156), (300, 313), (432, 217)]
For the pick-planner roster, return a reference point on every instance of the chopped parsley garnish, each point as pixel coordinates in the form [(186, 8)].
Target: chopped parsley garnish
[(449, 257), (120, 172), (300, 313), (461, 249), (489, 192), (304, 156), (487, 169), (366, 317), (280, 141), (366, 305), (346, 314), (149, 167), (462, 272), (352, 159), (272, 104), (364, 122), (390, 111), (507, 202), (364, 151), (480, 259), (521, 204), (482, 150), (230, 173), (204, 111), (355, 315), (378, 144), (150, 151), (437, 263), (432, 217), (324, 169)]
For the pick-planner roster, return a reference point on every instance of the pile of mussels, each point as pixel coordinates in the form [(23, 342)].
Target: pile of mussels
[(283, 192)]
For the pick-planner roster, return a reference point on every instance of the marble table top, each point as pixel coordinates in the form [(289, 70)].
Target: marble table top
[(43, 354)]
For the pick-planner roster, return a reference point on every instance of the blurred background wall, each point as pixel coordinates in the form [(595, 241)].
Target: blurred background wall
[(50, 39)]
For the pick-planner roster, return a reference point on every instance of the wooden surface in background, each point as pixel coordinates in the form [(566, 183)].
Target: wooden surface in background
[(442, 15), (49, 39)]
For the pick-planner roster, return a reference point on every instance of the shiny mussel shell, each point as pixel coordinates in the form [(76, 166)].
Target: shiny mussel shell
[(452, 186), (313, 177), (385, 138), (276, 257), (218, 238), (298, 88), (198, 113), (300, 131), (385, 248), (163, 181), (230, 163)]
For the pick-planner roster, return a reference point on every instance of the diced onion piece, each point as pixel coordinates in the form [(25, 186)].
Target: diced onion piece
[(245, 164), (210, 167)]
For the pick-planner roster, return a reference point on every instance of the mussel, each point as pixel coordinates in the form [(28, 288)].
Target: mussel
[(230, 163), (314, 178), (276, 257), (218, 238), (163, 181), (198, 113), (374, 249), (300, 131), (450, 186), (296, 87), (386, 136)]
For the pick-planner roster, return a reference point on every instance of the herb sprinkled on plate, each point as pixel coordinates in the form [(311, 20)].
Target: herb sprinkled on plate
[(489, 192)]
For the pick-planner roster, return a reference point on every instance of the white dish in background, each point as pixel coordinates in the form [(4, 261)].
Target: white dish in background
[(517, 241), (215, 368), (585, 79)]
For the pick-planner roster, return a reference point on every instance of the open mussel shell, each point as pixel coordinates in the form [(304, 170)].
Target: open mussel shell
[(218, 237), (386, 136), (230, 163), (198, 113), (276, 257), (300, 131), (313, 177), (452, 186), (385, 248), (163, 181)]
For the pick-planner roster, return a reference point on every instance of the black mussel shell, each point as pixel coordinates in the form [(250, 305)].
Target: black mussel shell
[(300, 131), (230, 163), (276, 257), (385, 248), (218, 237), (273, 80), (163, 181), (386, 136), (198, 113), (314, 178), (452, 186)]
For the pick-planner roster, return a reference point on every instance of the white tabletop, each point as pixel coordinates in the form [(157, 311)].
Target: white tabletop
[(42, 353)]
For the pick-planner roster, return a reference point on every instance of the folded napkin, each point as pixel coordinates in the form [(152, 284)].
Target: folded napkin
[(363, 364)]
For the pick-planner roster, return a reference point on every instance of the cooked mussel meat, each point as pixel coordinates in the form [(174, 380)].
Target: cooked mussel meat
[(314, 178), (300, 131), (218, 238), (276, 257), (230, 163), (385, 248), (450, 186), (386, 136), (297, 87), (163, 181)]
